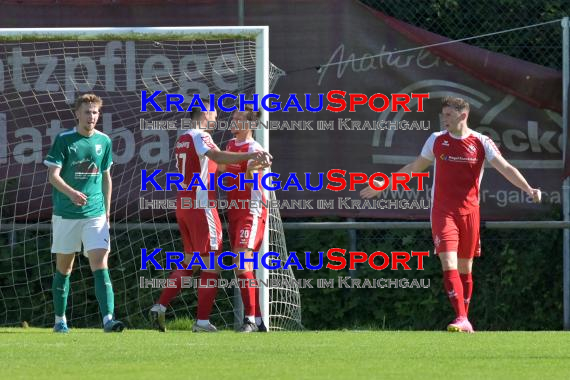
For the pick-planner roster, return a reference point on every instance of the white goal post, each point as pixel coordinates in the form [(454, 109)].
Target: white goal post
[(41, 72)]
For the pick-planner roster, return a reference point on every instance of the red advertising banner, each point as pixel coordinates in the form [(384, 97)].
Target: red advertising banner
[(323, 46)]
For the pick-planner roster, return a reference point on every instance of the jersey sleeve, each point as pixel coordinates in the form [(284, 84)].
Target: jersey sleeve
[(491, 150), (107, 157), (57, 153), (427, 150), (203, 143)]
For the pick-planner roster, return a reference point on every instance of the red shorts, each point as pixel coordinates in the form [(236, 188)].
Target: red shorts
[(201, 230), (246, 231), (456, 233)]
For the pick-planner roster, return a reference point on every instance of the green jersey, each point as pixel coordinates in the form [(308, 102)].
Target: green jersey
[(82, 161)]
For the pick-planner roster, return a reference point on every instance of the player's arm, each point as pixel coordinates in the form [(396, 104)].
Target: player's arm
[(221, 157), (514, 176), (420, 164), (77, 197), (107, 192), (205, 147)]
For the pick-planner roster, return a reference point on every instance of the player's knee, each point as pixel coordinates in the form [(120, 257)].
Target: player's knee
[(242, 252), (448, 260), (242, 266), (64, 263), (64, 270), (98, 259), (465, 266)]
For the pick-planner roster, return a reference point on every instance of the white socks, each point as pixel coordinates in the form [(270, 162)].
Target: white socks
[(59, 319)]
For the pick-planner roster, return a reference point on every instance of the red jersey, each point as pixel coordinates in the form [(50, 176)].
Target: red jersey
[(190, 151), (458, 169), (255, 197)]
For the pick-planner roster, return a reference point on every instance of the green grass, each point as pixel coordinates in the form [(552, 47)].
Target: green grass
[(138, 354)]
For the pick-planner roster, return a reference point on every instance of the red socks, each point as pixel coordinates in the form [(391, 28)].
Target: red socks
[(454, 289), (467, 281), (168, 294), (206, 295), (248, 294)]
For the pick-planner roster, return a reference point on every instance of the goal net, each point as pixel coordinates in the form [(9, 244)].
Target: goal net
[(41, 74)]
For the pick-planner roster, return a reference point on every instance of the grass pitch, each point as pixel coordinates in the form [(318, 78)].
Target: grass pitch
[(144, 354)]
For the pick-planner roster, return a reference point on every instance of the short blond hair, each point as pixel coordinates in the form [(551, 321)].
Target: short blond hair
[(88, 98), (458, 104)]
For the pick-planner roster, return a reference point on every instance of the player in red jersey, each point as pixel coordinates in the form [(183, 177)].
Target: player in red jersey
[(246, 223), (200, 228), (459, 154)]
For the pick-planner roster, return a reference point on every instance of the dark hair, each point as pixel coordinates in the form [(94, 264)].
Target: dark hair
[(251, 114), (196, 113)]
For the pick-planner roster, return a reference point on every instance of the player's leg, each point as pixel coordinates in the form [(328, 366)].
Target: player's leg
[(464, 267), (246, 235), (446, 240), (168, 294), (60, 290), (469, 247), (258, 315), (96, 242), (207, 291), (157, 314), (208, 234), (246, 278), (454, 288), (258, 242), (185, 220), (66, 241), (452, 281)]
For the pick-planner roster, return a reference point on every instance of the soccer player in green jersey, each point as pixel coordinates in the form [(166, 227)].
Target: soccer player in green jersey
[(79, 170)]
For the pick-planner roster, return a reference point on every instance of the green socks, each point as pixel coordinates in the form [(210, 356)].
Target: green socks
[(104, 292), (60, 291)]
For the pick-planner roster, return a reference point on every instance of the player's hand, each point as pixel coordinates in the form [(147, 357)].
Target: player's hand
[(109, 219), (262, 159), (78, 198), (536, 195), (369, 192)]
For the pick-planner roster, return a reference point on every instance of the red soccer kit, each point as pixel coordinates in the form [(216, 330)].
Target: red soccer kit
[(200, 228), (458, 169), (246, 224)]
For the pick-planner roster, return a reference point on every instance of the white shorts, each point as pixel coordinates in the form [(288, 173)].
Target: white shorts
[(68, 234)]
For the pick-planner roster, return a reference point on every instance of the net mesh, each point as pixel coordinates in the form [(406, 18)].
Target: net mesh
[(39, 81)]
